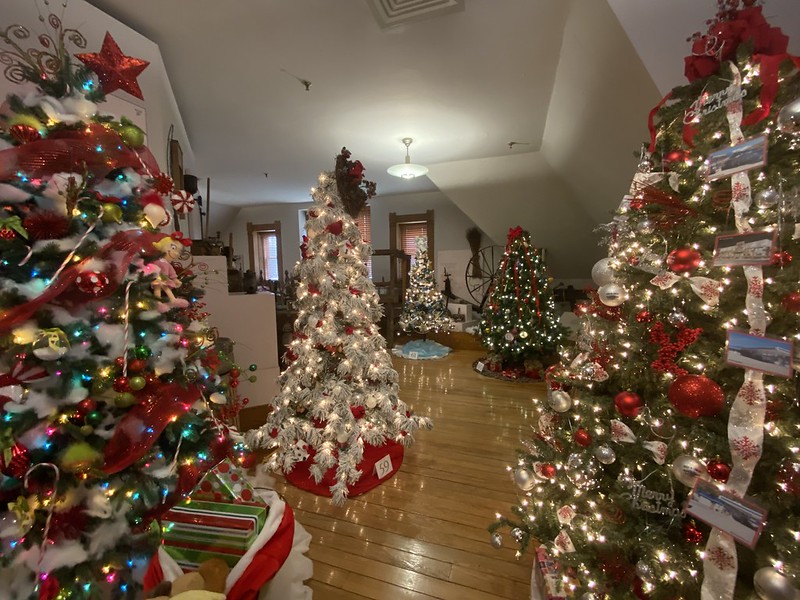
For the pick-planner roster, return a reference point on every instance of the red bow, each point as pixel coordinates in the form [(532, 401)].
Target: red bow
[(514, 233), (178, 237)]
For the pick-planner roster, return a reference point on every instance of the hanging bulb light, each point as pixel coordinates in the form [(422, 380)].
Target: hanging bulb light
[(407, 169)]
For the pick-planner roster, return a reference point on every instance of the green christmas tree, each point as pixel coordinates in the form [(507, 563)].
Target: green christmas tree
[(424, 308), (519, 325), (682, 376), (106, 362)]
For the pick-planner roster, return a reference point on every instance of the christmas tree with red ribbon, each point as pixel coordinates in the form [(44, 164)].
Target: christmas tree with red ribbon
[(665, 462), (106, 363), (519, 325)]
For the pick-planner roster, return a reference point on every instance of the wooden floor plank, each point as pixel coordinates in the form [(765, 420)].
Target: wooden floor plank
[(422, 534)]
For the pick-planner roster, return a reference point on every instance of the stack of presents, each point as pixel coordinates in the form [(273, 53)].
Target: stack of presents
[(224, 528)]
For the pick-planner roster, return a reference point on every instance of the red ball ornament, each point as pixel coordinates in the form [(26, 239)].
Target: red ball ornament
[(684, 260), (15, 461), (87, 405), (628, 404), (644, 316), (234, 373), (719, 470), (119, 362), (675, 156), (791, 302), (696, 396), (781, 259), (121, 384), (7, 233), (691, 534), (137, 365), (92, 283), (547, 471), (582, 438), (788, 478), (247, 460)]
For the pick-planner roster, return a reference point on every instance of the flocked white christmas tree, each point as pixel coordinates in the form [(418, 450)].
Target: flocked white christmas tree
[(339, 394), (424, 308)]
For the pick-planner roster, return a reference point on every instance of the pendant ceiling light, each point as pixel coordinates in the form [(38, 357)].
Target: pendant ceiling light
[(407, 169)]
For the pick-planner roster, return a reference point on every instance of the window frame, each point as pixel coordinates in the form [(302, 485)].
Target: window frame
[(255, 228), (395, 221)]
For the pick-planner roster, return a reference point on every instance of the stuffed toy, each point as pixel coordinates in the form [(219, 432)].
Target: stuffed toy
[(207, 583)]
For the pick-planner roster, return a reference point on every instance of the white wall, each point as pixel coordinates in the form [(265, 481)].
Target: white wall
[(159, 101)]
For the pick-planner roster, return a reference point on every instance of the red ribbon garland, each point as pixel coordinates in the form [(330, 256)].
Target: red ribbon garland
[(94, 147), (117, 254)]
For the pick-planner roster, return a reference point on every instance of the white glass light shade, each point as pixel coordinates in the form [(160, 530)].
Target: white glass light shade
[(407, 170)]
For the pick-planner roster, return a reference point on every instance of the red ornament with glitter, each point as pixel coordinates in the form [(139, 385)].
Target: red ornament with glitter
[(684, 260), (781, 259), (46, 225), (691, 534), (24, 133), (696, 396), (582, 437), (791, 302), (788, 478), (115, 70), (6, 233)]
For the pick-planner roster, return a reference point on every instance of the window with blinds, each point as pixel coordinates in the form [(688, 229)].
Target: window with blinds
[(409, 232), (268, 254)]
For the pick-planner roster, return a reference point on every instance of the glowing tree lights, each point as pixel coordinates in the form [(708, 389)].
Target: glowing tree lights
[(424, 309), (666, 447), (519, 326), (338, 412), (104, 379)]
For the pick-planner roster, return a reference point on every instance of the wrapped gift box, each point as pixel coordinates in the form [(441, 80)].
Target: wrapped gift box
[(198, 530), (225, 482), (547, 577)]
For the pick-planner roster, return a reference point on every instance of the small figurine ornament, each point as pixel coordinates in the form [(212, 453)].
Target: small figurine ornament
[(171, 249)]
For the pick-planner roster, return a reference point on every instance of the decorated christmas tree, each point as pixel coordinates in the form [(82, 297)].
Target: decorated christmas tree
[(519, 325), (338, 412), (424, 308), (106, 364), (665, 462)]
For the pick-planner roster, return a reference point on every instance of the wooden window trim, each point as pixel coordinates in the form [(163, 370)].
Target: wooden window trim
[(266, 227)]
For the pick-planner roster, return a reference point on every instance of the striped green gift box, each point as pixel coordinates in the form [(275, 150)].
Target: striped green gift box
[(198, 530)]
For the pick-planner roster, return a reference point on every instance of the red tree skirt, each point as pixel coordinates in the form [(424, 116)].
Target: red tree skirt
[(301, 477)]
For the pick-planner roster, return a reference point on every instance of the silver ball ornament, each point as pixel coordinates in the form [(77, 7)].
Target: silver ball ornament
[(644, 570), (767, 197), (789, 117), (771, 585), (517, 534), (611, 294), (560, 401), (496, 540), (687, 469), (524, 479), (605, 454), (703, 170), (676, 318), (646, 226), (602, 273), (645, 165)]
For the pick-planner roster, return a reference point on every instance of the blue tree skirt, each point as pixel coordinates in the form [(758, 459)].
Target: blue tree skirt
[(421, 350)]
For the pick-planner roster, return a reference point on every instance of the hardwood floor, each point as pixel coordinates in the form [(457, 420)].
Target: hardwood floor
[(422, 535)]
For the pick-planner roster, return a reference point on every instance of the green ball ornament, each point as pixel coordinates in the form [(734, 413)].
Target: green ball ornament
[(112, 213), (132, 135), (252, 379), (142, 352), (87, 429), (253, 367), (80, 457), (124, 400), (94, 418), (137, 383)]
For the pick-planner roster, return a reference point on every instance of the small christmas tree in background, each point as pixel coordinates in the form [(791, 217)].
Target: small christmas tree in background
[(519, 326), (338, 412), (424, 309), (683, 378), (105, 364)]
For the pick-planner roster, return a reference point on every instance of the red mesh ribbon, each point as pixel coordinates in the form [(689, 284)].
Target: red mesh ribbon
[(93, 148), (673, 210), (117, 254)]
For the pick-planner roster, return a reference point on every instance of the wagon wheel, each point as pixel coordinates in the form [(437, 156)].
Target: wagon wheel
[(481, 271)]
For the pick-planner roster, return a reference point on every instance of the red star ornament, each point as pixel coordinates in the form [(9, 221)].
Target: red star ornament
[(115, 70)]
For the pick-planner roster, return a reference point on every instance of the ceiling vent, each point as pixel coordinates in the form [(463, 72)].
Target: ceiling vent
[(390, 13)]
